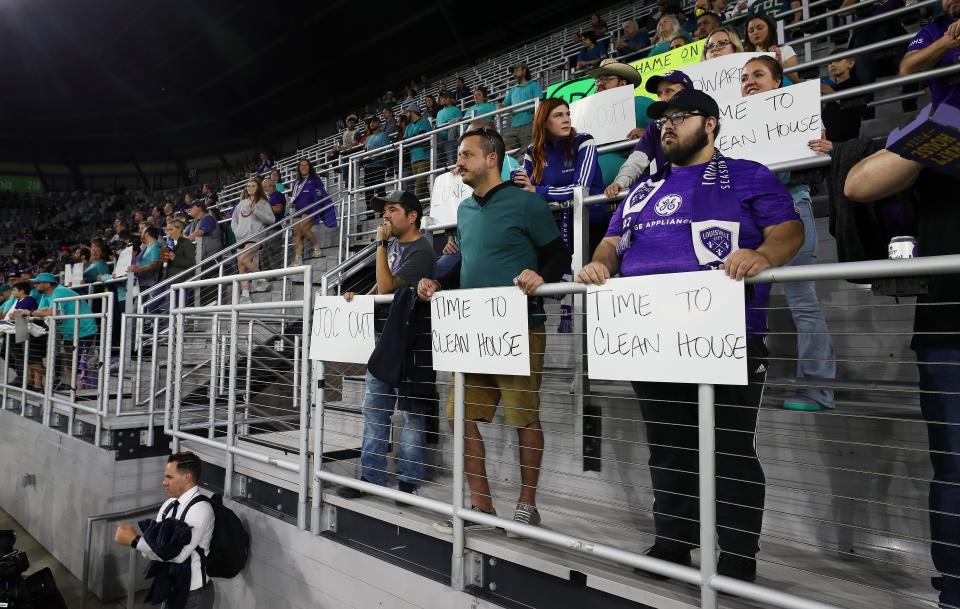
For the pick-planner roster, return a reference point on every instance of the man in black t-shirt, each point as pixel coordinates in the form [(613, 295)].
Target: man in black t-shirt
[(404, 257), (936, 340), (842, 117)]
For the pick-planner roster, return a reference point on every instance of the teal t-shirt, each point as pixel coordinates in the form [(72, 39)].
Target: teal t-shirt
[(9, 302), (419, 151), (499, 240), (481, 109), (92, 271), (521, 93), (87, 326), (509, 164), (447, 114)]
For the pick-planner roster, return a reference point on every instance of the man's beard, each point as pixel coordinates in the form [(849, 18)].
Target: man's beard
[(680, 154)]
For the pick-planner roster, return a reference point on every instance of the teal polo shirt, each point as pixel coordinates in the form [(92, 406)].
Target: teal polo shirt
[(421, 150), (481, 109), (87, 326), (447, 114), (499, 239)]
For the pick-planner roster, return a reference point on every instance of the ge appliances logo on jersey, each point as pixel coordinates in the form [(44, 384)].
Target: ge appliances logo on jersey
[(668, 205)]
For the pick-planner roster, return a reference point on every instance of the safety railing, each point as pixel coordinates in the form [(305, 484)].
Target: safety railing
[(61, 367), (258, 392)]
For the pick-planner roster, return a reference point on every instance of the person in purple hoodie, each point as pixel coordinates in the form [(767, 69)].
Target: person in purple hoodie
[(937, 45), (703, 211), (307, 191)]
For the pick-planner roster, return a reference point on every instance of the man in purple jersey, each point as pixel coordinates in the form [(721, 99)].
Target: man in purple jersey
[(703, 211), (937, 45)]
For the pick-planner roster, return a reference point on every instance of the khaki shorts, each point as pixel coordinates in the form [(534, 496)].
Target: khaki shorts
[(520, 394)]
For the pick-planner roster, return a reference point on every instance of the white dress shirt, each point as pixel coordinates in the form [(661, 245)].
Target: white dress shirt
[(201, 520)]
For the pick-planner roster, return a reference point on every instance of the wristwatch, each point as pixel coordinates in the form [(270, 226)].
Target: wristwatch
[(136, 540), (383, 243)]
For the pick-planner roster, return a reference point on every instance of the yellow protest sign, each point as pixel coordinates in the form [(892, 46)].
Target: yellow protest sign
[(666, 62)]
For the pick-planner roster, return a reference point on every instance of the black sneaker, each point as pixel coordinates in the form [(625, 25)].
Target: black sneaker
[(681, 557), (348, 492), (737, 567), (406, 487)]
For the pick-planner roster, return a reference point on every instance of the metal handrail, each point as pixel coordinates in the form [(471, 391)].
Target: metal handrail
[(88, 539)]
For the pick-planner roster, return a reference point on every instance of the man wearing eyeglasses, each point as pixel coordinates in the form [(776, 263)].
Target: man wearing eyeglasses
[(703, 211)]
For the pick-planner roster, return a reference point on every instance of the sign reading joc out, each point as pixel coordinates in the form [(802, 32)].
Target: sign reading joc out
[(342, 331)]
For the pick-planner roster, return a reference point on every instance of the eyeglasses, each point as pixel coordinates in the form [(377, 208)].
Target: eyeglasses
[(720, 44), (676, 119), (606, 78)]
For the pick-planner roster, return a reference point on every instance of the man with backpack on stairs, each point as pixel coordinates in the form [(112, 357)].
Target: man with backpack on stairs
[(193, 538)]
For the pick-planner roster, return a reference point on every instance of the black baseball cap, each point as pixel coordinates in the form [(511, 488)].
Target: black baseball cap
[(407, 199), (688, 99), (674, 76)]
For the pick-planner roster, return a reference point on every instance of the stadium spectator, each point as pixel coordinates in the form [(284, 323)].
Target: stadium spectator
[(202, 224), (264, 165), (937, 45), (724, 41), (680, 41), (48, 287), (308, 193), (514, 241), (389, 123), (592, 52), (441, 91), (518, 135), (481, 105), (272, 255), (404, 257), (707, 24), (278, 181), (96, 267), (447, 140), (210, 196), (375, 168), (688, 189), (350, 136), (762, 37), (649, 152), (252, 216), (842, 118), (633, 39), (409, 95), (180, 254), (462, 91), (936, 338), (147, 267), (430, 108), (419, 152), (598, 27), (816, 359), (668, 28)]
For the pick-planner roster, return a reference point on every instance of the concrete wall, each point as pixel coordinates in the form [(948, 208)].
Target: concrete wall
[(71, 481)]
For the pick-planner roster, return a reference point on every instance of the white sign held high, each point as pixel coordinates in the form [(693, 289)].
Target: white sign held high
[(482, 330), (342, 331), (124, 260), (608, 115), (720, 77), (771, 127), (676, 328)]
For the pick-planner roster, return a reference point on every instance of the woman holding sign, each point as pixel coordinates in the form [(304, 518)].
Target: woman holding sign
[(816, 360)]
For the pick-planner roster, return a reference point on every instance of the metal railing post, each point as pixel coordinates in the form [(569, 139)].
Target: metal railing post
[(318, 427), (132, 579), (304, 349), (231, 395), (807, 46), (51, 363), (708, 499), (459, 543), (175, 330), (580, 385)]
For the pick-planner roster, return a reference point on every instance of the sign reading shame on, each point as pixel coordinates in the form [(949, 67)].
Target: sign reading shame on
[(608, 116), (481, 330), (676, 328), (342, 331)]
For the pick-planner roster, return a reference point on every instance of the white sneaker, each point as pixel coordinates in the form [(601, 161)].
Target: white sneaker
[(317, 252), (297, 261), (245, 298)]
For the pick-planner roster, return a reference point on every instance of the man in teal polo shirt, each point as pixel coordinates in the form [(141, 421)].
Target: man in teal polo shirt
[(504, 233), (520, 131), (50, 290), (419, 152)]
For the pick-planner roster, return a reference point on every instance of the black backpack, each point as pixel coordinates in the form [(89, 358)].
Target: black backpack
[(230, 544)]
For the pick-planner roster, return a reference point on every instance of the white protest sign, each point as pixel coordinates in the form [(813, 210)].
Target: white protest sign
[(608, 115), (720, 77), (68, 275), (445, 197), (771, 127), (78, 273), (342, 331), (124, 260), (676, 328), (482, 330)]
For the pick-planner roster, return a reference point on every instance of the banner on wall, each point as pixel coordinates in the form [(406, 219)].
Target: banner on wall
[(23, 184)]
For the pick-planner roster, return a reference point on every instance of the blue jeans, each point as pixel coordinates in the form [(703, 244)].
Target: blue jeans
[(378, 404), (816, 360), (940, 403)]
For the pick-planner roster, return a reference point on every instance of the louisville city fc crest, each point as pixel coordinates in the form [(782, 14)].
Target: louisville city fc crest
[(718, 240)]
